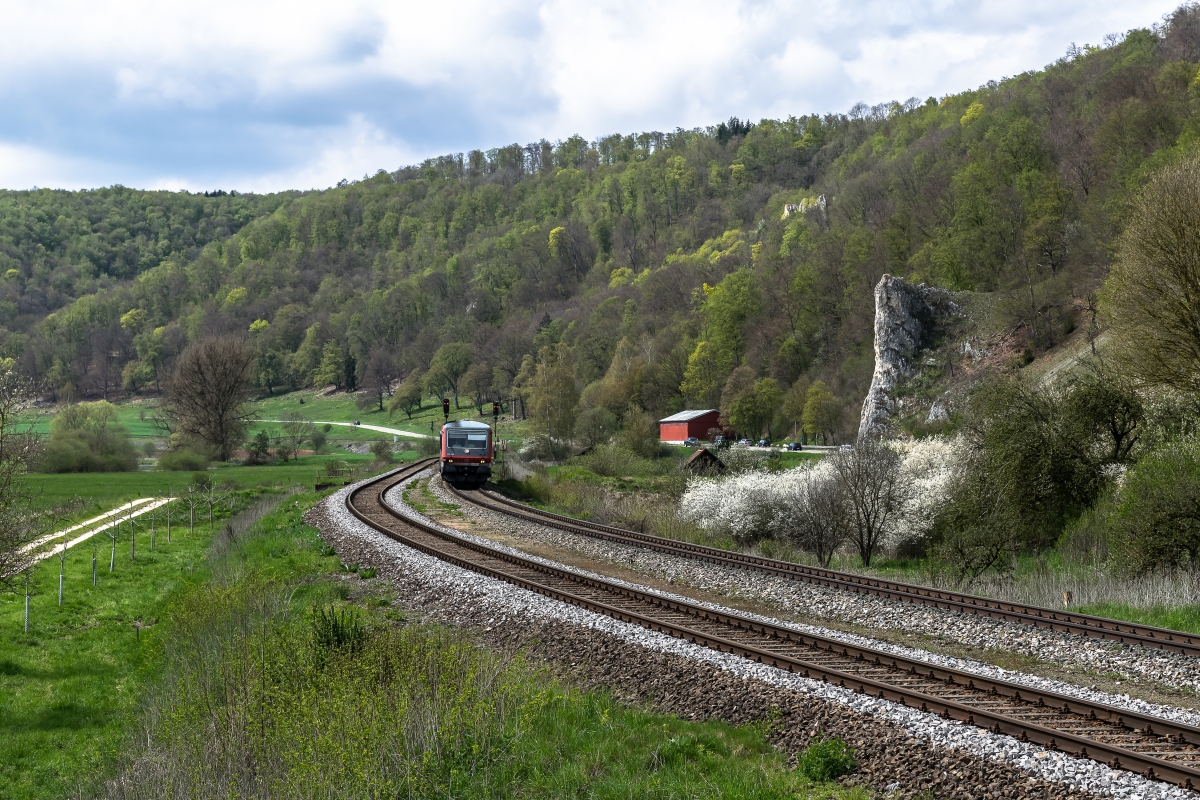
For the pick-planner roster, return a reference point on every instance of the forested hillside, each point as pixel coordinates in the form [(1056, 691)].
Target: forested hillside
[(652, 271)]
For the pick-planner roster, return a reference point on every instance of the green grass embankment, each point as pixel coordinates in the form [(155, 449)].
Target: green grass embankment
[(1179, 618), (347, 698), (270, 670)]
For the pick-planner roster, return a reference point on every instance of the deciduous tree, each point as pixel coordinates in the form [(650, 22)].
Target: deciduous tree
[(20, 522), (332, 369), (297, 429), (1156, 520), (822, 412), (876, 492), (819, 522), (753, 408), (553, 394), (408, 395), (477, 384), (205, 399), (449, 364), (1152, 295), (379, 370)]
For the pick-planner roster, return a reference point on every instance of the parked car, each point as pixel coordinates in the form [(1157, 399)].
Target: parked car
[(794, 446), (721, 442), (744, 442), (763, 443), (691, 441)]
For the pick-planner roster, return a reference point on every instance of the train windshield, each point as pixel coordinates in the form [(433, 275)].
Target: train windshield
[(464, 443)]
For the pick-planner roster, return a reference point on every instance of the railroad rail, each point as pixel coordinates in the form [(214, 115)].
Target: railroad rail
[(1156, 748), (1037, 616)]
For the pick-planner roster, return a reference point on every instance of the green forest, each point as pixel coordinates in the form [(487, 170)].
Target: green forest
[(648, 272)]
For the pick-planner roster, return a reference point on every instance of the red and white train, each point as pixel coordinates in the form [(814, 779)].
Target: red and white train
[(466, 453)]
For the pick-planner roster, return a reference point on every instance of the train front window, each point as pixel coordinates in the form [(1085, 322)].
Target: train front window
[(462, 443)]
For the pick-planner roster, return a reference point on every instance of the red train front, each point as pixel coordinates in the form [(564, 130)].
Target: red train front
[(466, 453)]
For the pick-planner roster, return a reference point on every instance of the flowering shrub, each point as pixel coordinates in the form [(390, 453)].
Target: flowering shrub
[(751, 505), (757, 504), (930, 464)]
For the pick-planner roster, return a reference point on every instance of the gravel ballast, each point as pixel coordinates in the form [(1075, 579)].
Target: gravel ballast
[(910, 746), (1173, 670)]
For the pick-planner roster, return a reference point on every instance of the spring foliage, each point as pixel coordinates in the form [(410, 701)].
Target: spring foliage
[(87, 438), (706, 250), (1150, 293)]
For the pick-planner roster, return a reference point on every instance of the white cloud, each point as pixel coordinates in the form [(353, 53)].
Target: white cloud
[(352, 151), (24, 167), (348, 82)]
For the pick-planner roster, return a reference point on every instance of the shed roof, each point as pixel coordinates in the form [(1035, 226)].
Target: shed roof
[(703, 461), (688, 416)]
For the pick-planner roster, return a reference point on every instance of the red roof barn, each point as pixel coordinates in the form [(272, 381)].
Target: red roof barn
[(686, 424)]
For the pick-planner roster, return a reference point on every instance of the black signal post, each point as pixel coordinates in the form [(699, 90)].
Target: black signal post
[(446, 408), (495, 427)]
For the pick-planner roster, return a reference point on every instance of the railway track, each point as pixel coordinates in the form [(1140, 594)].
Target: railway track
[(1155, 748), (1079, 624)]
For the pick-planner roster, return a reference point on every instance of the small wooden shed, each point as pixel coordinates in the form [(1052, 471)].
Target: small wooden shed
[(703, 462)]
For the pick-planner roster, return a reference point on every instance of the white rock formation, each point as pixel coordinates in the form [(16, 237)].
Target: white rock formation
[(903, 319)]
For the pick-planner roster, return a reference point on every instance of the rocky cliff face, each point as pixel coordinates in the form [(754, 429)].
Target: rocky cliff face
[(904, 321)]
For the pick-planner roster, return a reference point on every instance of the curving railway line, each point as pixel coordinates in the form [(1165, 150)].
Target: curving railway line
[(1153, 747), (1080, 624)]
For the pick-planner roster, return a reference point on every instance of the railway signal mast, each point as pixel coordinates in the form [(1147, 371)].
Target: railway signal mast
[(495, 428)]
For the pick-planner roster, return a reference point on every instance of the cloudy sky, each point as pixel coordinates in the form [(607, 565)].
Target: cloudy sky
[(260, 96)]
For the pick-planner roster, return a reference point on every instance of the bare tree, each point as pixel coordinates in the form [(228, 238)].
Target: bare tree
[(821, 522), (297, 428), (876, 492), (113, 531), (213, 499), (378, 373), (506, 361), (205, 398), (169, 507), (20, 522), (193, 496)]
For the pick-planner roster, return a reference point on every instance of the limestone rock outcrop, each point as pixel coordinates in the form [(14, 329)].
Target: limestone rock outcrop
[(904, 322)]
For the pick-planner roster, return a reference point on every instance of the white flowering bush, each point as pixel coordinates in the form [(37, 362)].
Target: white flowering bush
[(751, 505), (929, 464), (757, 504)]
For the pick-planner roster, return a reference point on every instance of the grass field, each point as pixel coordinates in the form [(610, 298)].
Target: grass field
[(137, 415), (99, 491), (69, 686), (341, 407)]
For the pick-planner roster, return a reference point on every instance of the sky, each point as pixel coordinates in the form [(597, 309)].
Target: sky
[(264, 96)]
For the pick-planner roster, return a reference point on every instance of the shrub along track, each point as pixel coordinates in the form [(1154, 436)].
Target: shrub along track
[(1151, 746), (1036, 616)]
